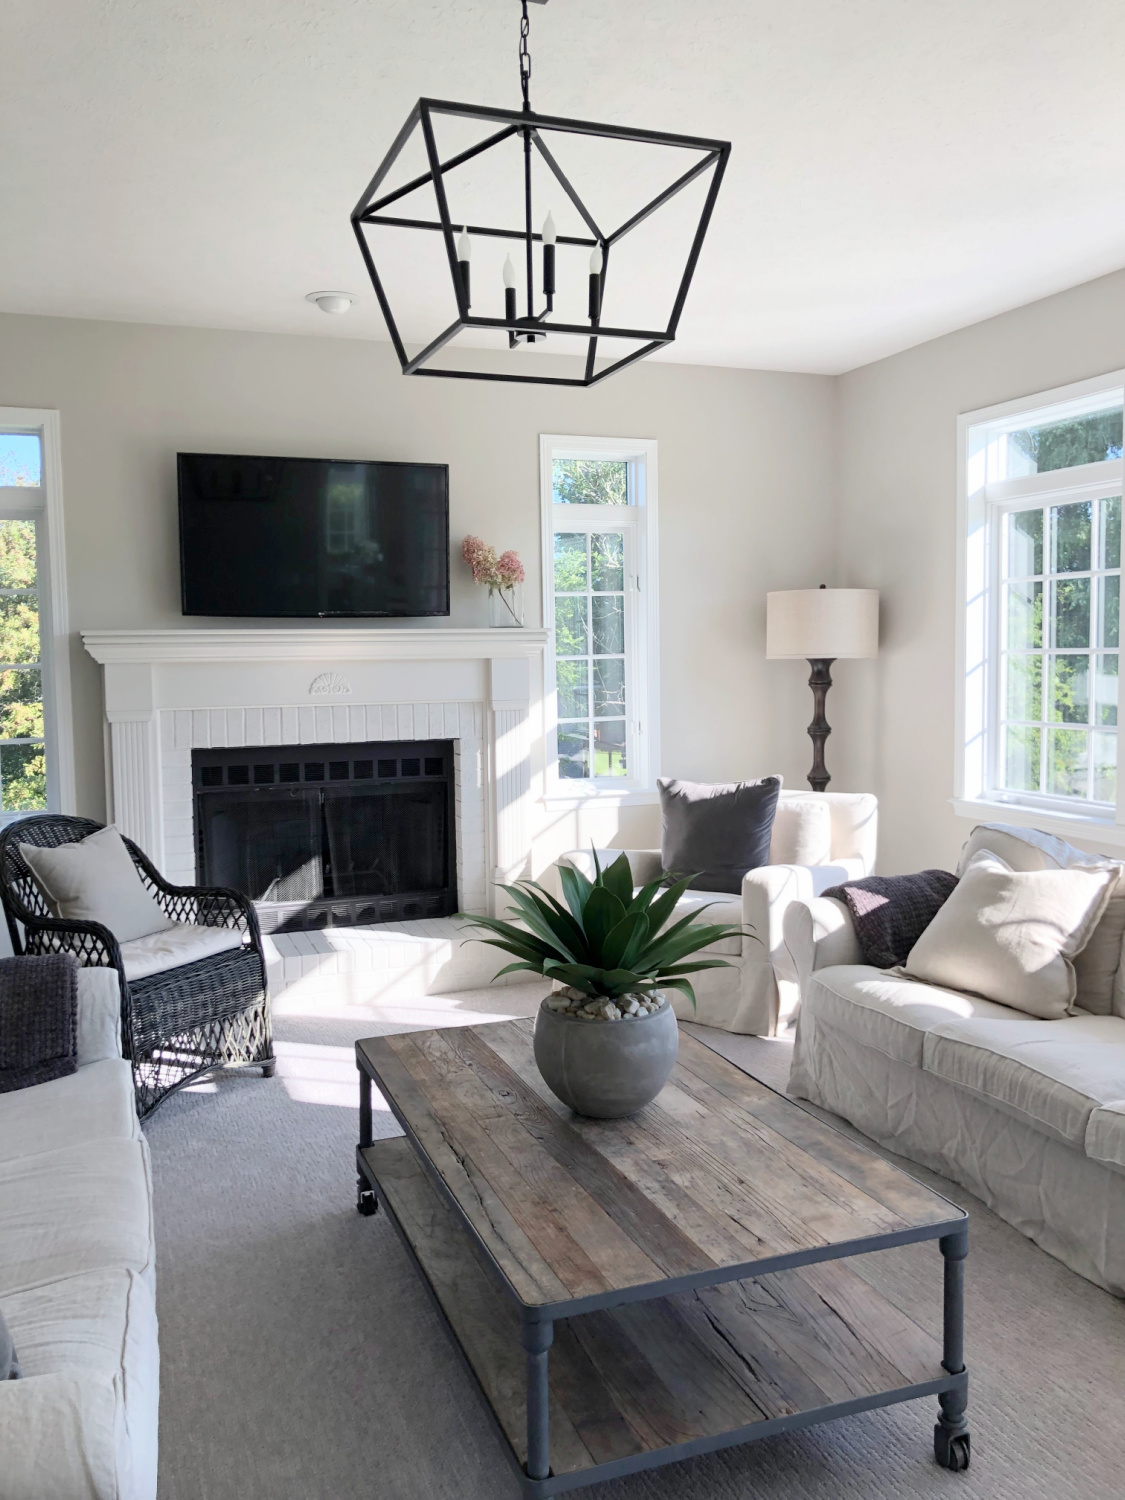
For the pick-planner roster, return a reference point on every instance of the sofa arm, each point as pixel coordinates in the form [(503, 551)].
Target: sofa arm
[(99, 1015), (817, 934), (644, 863)]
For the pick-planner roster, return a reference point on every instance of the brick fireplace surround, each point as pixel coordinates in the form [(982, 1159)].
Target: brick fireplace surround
[(168, 692)]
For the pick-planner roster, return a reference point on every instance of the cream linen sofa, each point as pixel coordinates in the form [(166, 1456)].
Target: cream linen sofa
[(1027, 1114), (760, 990), (77, 1275)]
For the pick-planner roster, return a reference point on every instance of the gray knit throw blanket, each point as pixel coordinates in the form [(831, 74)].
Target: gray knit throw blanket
[(890, 912), (38, 1019)]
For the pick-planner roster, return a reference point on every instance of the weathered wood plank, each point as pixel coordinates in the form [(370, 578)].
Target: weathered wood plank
[(528, 1272), (709, 1146), (486, 1324), (673, 1252), (541, 1218), (645, 1375), (912, 1201), (717, 1171)]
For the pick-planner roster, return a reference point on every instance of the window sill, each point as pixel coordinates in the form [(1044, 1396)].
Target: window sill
[(606, 796), (1065, 825)]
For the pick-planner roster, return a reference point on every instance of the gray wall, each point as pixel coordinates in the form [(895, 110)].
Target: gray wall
[(746, 502), (898, 533)]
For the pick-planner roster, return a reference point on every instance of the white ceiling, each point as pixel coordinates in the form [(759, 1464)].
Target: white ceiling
[(900, 167)]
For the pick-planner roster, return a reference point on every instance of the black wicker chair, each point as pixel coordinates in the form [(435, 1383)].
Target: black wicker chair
[(213, 1013)]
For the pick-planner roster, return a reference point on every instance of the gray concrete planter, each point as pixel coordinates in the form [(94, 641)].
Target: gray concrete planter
[(606, 1069)]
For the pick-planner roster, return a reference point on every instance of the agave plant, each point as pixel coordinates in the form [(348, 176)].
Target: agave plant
[(606, 941)]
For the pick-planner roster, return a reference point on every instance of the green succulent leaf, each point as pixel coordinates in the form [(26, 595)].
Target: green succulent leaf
[(618, 880), (603, 912), (576, 890)]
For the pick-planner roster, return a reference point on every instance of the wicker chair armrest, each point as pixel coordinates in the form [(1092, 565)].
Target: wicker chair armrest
[(94, 944), (210, 906)]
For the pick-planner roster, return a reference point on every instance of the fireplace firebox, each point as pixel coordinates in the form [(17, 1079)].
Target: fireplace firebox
[(330, 835)]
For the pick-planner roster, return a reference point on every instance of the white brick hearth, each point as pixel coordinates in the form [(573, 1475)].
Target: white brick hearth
[(170, 692)]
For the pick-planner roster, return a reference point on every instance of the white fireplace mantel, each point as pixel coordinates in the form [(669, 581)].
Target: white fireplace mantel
[(168, 692)]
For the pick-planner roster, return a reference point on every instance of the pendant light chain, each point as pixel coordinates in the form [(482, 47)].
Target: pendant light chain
[(525, 57)]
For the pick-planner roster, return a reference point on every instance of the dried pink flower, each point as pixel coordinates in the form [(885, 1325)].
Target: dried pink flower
[(501, 572), (510, 569)]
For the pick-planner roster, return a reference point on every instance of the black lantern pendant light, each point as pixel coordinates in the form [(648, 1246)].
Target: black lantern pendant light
[(594, 247)]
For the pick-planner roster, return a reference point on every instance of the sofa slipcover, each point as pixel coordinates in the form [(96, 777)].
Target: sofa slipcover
[(95, 1103), (1029, 1118), (76, 1275), (1053, 1074)]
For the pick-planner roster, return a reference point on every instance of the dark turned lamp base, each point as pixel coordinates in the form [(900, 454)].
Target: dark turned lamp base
[(820, 680)]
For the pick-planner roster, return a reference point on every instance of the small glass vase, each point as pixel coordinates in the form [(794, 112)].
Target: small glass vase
[(505, 606)]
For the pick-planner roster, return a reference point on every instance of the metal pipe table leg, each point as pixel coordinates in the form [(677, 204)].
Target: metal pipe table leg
[(951, 1435), (537, 1339), (365, 1200)]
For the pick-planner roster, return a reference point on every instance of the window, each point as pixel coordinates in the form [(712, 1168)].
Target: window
[(36, 767), (1042, 591), (599, 499)]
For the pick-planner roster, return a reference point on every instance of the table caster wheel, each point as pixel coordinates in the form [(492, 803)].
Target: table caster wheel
[(951, 1452), (366, 1202)]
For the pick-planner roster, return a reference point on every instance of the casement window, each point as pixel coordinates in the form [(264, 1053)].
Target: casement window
[(599, 571), (1041, 581), (36, 757)]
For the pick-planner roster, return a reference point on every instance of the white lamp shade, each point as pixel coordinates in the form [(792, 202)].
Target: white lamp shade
[(822, 623)]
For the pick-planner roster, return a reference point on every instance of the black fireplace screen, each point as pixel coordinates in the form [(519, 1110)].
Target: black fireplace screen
[(330, 835)]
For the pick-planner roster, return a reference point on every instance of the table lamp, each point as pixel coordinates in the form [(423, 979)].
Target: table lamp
[(821, 625)]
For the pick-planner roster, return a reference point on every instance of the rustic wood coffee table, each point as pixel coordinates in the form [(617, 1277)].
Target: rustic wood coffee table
[(631, 1292)]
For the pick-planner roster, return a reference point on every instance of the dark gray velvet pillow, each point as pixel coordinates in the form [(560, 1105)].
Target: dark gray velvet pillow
[(716, 832), (9, 1364)]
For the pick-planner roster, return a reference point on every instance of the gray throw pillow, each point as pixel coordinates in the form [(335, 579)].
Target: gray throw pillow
[(9, 1364), (716, 832)]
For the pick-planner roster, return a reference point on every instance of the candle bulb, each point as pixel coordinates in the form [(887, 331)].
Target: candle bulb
[(549, 237), (464, 255), (509, 290), (596, 263)]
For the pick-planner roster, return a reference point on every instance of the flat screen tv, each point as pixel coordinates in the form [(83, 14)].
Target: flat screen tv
[(311, 537)]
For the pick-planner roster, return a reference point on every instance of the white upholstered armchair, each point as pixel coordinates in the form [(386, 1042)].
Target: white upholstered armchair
[(819, 839)]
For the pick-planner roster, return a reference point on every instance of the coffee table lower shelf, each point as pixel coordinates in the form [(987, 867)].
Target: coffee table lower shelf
[(646, 1383)]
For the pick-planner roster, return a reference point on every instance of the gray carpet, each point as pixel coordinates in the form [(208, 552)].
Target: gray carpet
[(300, 1358)]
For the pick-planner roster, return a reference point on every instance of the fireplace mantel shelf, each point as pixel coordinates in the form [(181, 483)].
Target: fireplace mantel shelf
[(326, 644)]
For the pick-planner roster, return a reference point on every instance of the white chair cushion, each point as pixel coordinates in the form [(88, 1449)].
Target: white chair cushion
[(802, 832), (101, 1324), (181, 944), (889, 1013), (83, 1208), (95, 880), (1051, 1074), (1011, 936), (95, 1103)]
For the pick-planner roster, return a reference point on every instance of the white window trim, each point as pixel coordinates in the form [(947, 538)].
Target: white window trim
[(642, 622), (53, 617), (1029, 809)]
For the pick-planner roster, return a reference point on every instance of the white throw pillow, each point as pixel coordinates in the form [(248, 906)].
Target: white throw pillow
[(1011, 936), (802, 832), (1097, 966), (95, 880)]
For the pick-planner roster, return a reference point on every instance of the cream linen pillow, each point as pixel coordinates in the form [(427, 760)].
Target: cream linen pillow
[(1011, 936), (802, 832), (96, 880), (1097, 966)]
